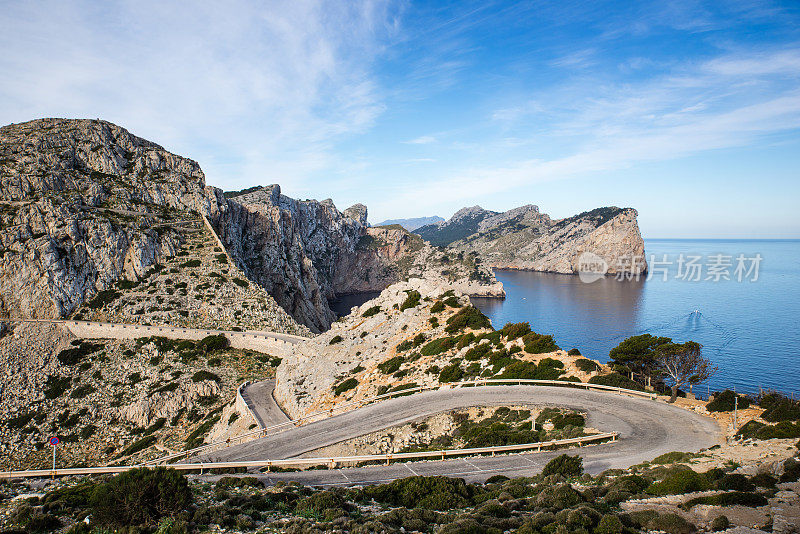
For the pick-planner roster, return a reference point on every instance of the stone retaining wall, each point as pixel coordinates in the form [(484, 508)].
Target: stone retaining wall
[(258, 341)]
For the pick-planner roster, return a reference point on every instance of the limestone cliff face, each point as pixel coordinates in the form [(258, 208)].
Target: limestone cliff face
[(389, 254), (84, 204), (289, 247), (525, 239)]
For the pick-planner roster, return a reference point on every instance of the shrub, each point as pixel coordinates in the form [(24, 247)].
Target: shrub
[(513, 331), (564, 465), (347, 385), (241, 283), (452, 302), (412, 300), (570, 419), (538, 343), (616, 380), (735, 482), (140, 497), (547, 369), (451, 373), (609, 524), (335, 339), (139, 445), (56, 386), (586, 365), (374, 310), (672, 457), (467, 317), (391, 365), (478, 352), (791, 470), (721, 522), (732, 498), (574, 352), (432, 493), (73, 355), (725, 402), (191, 263), (102, 298), (416, 341), (679, 482), (200, 376), (782, 410), (437, 307), (438, 346), (82, 391), (671, 524), (20, 421), (213, 343), (764, 480), (757, 430)]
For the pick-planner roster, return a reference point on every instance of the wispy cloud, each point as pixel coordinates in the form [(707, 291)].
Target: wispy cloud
[(422, 140), (257, 91), (729, 101)]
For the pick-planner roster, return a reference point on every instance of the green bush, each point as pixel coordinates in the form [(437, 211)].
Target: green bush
[(412, 299), (407, 344), (609, 524), (547, 369), (391, 365), (616, 380), (432, 493), (213, 343), (586, 365), (671, 524), (764, 480), (139, 445), (564, 465), (241, 283), (679, 482), (347, 385), (569, 419), (791, 470), (102, 298), (374, 310), (733, 498), (451, 373), (191, 263), (513, 331), (335, 339), (538, 343), (74, 355), (725, 402), (467, 317), (438, 346), (437, 307), (55, 386), (478, 352), (140, 497), (721, 522), (735, 482), (782, 410), (200, 376), (757, 430), (82, 391), (574, 352)]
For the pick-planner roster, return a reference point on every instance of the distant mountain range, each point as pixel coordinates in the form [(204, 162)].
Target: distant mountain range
[(412, 224)]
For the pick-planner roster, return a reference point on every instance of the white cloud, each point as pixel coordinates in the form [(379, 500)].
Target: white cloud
[(257, 91), (422, 140)]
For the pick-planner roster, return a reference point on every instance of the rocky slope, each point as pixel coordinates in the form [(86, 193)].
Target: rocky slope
[(415, 333), (84, 204), (102, 397), (525, 239)]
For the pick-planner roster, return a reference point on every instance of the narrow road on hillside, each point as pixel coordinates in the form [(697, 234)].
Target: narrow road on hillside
[(264, 406), (647, 429)]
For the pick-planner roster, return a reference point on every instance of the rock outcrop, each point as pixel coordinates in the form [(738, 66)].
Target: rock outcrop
[(84, 205), (525, 239)]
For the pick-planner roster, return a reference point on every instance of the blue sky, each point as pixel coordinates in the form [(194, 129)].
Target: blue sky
[(688, 111)]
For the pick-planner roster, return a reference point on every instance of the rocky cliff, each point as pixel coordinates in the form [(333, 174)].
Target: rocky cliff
[(413, 223), (525, 239), (88, 209)]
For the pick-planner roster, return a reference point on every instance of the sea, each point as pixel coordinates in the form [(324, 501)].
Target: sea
[(740, 299)]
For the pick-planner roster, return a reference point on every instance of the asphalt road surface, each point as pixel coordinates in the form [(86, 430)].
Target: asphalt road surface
[(264, 405), (647, 429)]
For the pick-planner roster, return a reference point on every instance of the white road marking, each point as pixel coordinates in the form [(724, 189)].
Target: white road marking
[(473, 465), (409, 468)]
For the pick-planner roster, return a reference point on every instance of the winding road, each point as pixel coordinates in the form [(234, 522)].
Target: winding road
[(647, 429)]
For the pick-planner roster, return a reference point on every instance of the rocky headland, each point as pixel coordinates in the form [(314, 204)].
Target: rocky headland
[(526, 239)]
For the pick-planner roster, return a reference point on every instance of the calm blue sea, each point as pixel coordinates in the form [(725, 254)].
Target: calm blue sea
[(750, 329)]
